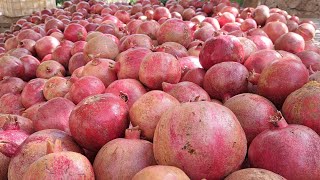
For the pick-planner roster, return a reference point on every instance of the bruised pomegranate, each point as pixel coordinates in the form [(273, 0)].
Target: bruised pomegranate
[(129, 89), (193, 136), (135, 154)]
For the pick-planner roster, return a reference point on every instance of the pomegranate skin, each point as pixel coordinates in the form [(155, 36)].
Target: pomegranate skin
[(292, 151), (61, 165), (11, 66), (4, 164), (11, 85), (11, 104), (45, 46), (253, 112), (195, 75), (310, 59), (221, 49), (167, 70), (300, 106), (280, 79), (225, 80), (159, 172), (254, 173), (291, 42), (200, 138), (75, 32), (107, 110)]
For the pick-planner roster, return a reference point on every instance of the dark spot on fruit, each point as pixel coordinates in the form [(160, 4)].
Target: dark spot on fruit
[(189, 148)]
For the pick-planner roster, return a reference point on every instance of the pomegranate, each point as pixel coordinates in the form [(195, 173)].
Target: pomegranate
[(161, 12), (11, 43), (136, 155), (59, 164), (248, 24), (102, 69), (11, 137), (173, 48), (136, 40), (32, 92), (248, 45), (4, 164), (195, 75), (110, 112), (220, 49), (253, 173), (35, 146), (32, 111), (14, 122), (129, 61), (54, 114), (306, 30), (75, 32), (76, 61), (188, 131), (11, 85), (129, 89), (195, 92), (188, 13), (292, 25), (11, 66), (281, 78), (101, 47), (310, 59), (258, 60), (159, 172), (225, 80), (46, 45), (30, 64), (147, 110), (253, 112), (167, 70), (174, 30), (260, 14), (50, 68), (291, 42), (11, 104), (299, 108), (276, 17), (84, 87), (204, 33), (56, 87), (275, 29), (294, 145), (28, 34), (78, 47), (62, 54)]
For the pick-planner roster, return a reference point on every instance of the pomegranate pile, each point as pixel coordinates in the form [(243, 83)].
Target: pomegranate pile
[(181, 90)]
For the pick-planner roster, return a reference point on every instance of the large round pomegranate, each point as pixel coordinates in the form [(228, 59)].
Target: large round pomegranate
[(147, 110), (221, 49), (291, 42), (281, 78), (167, 70), (204, 139), (300, 106), (135, 155), (175, 30), (159, 172), (254, 173), (75, 32), (253, 112), (46, 45), (101, 47), (107, 110), (225, 80), (292, 151), (32, 93)]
